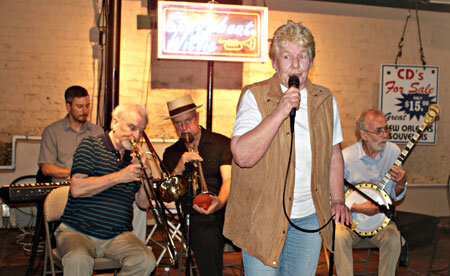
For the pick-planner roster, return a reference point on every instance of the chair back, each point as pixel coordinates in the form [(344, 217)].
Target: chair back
[(54, 206), (448, 192), (55, 202)]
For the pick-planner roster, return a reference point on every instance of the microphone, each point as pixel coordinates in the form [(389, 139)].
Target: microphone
[(293, 81)]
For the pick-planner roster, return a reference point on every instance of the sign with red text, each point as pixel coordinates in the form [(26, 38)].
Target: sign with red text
[(207, 31), (406, 93)]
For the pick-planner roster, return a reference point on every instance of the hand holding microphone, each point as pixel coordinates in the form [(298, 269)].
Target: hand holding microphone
[(293, 81)]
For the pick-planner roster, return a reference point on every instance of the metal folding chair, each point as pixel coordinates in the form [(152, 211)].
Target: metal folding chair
[(174, 229), (54, 205)]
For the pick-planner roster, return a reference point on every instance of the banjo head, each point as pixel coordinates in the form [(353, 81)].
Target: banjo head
[(367, 226)]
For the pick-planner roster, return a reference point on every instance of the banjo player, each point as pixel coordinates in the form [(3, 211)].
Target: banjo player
[(368, 160)]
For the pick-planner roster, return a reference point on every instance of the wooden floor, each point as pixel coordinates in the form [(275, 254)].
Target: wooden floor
[(14, 257)]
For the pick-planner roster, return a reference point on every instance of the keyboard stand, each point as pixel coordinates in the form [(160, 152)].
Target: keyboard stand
[(36, 236)]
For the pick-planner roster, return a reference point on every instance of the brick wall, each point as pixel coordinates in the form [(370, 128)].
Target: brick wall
[(45, 46)]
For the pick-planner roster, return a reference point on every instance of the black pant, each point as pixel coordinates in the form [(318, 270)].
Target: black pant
[(207, 242)]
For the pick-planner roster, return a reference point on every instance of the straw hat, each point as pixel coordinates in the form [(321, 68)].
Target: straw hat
[(180, 106)]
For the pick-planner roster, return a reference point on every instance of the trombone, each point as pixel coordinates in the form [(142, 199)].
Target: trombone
[(156, 209), (169, 188)]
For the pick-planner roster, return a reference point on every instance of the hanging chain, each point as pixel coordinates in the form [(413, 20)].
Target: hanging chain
[(400, 43), (422, 56), (402, 39)]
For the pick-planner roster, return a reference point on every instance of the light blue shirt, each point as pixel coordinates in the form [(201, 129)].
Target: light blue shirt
[(358, 167)]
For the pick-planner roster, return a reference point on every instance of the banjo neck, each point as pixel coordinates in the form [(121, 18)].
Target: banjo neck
[(402, 155), (433, 111)]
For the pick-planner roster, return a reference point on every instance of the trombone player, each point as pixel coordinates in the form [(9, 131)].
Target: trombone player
[(212, 152), (97, 220)]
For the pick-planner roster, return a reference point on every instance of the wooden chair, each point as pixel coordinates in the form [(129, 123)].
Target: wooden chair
[(362, 244), (54, 205), (230, 249), (365, 244)]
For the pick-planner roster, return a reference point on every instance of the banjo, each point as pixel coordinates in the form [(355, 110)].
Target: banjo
[(365, 225)]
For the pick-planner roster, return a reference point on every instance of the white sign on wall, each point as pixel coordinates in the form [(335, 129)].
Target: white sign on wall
[(406, 92)]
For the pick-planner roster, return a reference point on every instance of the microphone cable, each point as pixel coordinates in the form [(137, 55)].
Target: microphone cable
[(284, 197)]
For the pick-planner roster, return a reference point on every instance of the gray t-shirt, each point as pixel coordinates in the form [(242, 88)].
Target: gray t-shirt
[(59, 142)]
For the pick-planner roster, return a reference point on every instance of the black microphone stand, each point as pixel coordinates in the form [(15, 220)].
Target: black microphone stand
[(187, 218)]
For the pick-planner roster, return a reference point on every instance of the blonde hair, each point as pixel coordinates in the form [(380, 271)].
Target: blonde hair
[(292, 32)]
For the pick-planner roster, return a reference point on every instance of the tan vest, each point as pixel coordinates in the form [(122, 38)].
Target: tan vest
[(254, 218)]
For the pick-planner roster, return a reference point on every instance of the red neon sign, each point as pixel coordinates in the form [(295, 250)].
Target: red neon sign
[(212, 32)]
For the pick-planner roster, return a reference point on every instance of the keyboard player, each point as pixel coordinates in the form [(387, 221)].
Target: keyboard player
[(61, 138)]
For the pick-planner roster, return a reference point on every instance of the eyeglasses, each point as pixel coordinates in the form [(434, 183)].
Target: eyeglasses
[(380, 130)]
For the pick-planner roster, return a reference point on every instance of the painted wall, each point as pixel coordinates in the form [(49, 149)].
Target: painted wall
[(46, 46)]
